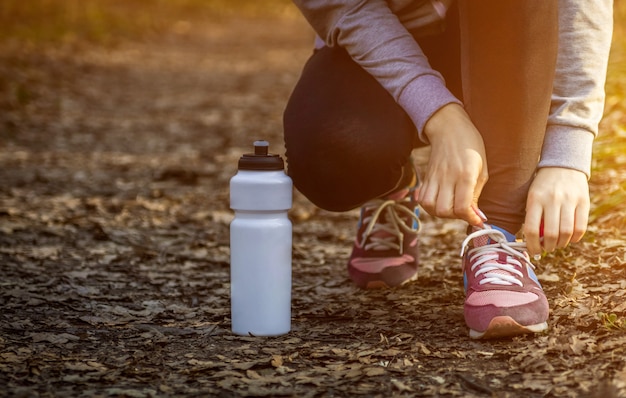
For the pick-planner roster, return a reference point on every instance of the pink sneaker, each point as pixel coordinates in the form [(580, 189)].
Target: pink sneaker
[(503, 296), (385, 249)]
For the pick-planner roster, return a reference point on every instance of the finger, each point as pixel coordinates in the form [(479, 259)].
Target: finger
[(479, 212), (464, 203), (467, 193), (478, 189), (480, 183), (566, 226), (580, 222), (532, 234), (551, 228), (428, 197), (434, 199), (445, 202)]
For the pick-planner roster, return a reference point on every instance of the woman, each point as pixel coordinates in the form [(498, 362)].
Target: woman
[(507, 93)]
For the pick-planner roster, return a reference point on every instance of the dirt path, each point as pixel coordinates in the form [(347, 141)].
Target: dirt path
[(114, 169)]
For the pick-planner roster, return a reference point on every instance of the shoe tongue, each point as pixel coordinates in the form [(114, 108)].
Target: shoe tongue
[(509, 236), (486, 240)]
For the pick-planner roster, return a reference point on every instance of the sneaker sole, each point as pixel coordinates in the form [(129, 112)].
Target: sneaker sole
[(378, 284), (505, 326), (393, 276)]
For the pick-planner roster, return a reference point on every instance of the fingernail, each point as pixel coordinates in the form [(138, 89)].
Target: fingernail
[(537, 257), (479, 213)]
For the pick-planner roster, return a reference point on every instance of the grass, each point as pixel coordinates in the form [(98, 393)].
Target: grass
[(611, 321)]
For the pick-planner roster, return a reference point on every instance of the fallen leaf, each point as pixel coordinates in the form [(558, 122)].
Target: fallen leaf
[(277, 361), (400, 385), (61, 338), (376, 371)]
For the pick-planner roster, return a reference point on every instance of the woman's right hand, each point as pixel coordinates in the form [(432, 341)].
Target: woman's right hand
[(457, 168)]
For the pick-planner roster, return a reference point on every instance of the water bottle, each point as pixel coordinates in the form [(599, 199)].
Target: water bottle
[(260, 245)]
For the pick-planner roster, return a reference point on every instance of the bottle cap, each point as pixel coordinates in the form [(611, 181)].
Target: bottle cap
[(261, 159)]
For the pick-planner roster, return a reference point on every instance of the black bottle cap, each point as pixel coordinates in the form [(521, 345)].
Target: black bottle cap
[(261, 159)]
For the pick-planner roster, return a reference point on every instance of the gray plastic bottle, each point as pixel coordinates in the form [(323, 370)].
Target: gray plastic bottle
[(260, 245)]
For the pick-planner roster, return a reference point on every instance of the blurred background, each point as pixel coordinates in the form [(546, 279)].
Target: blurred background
[(39, 37), (104, 22)]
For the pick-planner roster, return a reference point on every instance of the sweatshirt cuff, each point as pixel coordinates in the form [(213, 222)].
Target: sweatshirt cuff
[(422, 98), (567, 147)]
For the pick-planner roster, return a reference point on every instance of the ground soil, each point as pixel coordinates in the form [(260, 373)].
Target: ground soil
[(114, 245)]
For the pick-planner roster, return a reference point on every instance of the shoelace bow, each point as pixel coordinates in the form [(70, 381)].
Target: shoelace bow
[(394, 225), (484, 259)]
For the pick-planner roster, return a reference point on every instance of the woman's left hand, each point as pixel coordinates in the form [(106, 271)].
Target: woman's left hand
[(558, 203)]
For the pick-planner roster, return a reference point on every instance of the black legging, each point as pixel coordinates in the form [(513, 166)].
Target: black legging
[(348, 141)]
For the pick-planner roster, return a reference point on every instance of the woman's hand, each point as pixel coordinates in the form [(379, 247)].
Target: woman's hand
[(558, 198), (457, 169)]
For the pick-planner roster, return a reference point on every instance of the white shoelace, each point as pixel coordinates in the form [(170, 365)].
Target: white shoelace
[(394, 225), (484, 258)]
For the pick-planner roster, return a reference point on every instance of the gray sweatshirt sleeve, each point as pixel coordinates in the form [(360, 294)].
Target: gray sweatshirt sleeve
[(585, 30), (376, 39)]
